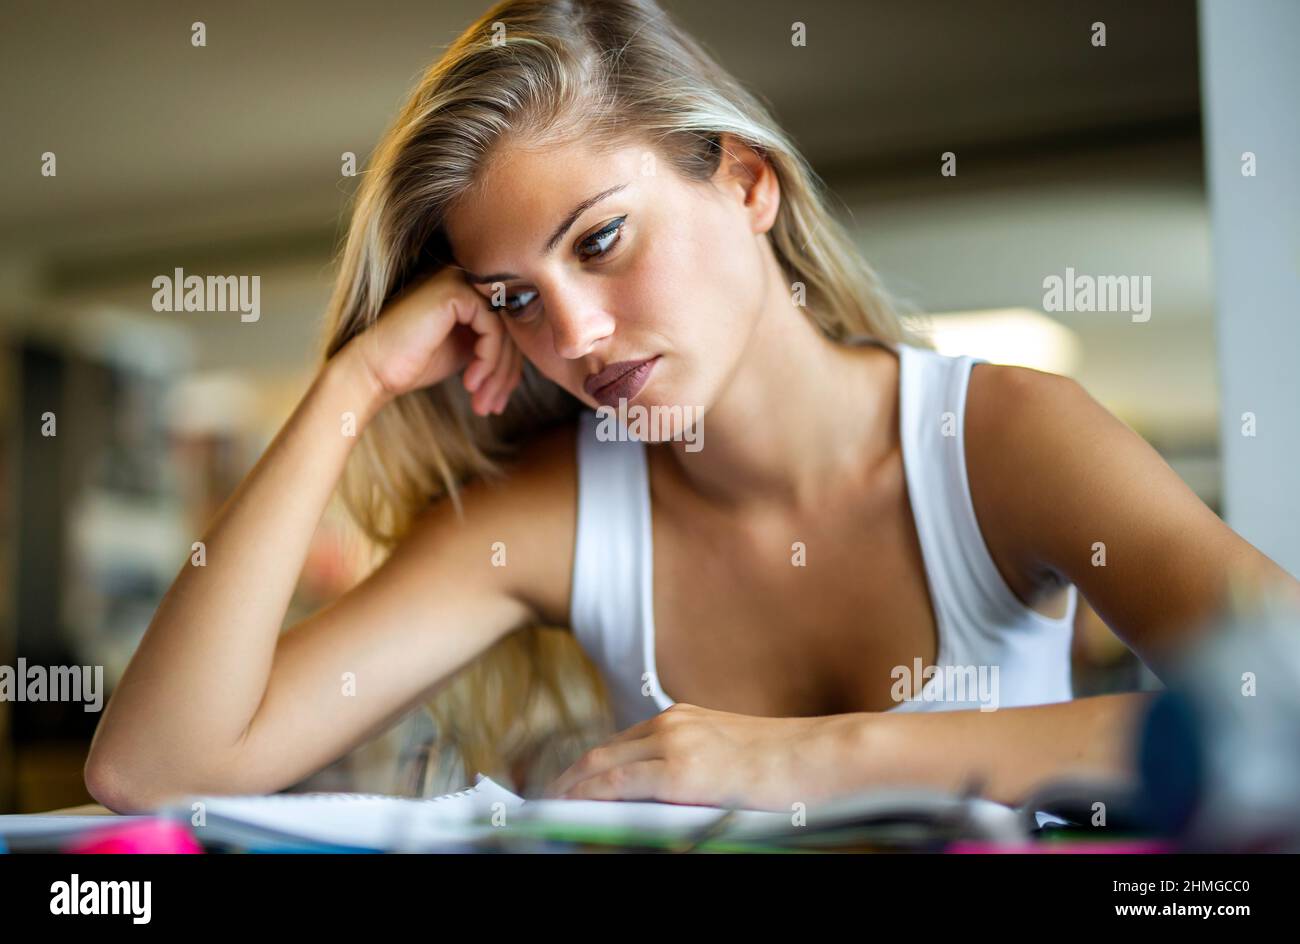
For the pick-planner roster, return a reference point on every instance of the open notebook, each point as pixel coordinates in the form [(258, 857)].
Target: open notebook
[(487, 811), (361, 820)]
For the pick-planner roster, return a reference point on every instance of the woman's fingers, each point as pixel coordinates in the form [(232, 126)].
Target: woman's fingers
[(496, 365), (604, 758), (490, 331), (490, 362), (516, 374), (509, 378), (642, 738), (518, 378), (638, 780), (499, 382)]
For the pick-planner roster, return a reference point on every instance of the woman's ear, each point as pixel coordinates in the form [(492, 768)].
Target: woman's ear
[(745, 173)]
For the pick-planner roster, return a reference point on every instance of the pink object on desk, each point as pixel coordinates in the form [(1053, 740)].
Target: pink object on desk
[(1056, 847), (151, 837)]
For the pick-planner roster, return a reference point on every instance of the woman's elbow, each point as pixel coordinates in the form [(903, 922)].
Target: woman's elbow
[(109, 788), (115, 785)]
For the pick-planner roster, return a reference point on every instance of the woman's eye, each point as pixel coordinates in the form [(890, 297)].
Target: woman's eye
[(516, 303), (599, 242), (594, 246)]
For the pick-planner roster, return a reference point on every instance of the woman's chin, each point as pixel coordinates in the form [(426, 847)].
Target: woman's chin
[(652, 418)]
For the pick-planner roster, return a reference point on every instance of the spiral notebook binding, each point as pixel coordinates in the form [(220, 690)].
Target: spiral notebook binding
[(326, 796)]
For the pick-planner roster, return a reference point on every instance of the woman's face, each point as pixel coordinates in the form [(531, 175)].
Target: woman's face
[(601, 258)]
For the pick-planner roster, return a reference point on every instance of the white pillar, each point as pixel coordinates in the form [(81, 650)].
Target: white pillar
[(1250, 90)]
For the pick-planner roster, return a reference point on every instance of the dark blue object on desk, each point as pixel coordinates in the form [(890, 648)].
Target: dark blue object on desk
[(1220, 750)]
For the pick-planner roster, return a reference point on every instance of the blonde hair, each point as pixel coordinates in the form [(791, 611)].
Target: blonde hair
[(617, 71)]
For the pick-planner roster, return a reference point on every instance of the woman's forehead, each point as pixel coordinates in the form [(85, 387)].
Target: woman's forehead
[(524, 193)]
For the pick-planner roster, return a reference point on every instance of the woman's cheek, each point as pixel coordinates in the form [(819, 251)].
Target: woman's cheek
[(538, 350), (667, 285)]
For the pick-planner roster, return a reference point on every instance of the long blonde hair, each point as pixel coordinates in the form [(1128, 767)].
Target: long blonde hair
[(617, 71)]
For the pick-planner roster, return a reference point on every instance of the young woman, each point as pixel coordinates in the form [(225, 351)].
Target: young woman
[(578, 206)]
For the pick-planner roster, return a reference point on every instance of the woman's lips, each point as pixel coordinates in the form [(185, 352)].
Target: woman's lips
[(621, 381)]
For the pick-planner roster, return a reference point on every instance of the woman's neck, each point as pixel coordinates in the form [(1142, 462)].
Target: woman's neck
[(799, 413)]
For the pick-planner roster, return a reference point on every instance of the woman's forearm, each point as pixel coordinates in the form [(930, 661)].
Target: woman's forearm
[(1009, 752), (201, 669)]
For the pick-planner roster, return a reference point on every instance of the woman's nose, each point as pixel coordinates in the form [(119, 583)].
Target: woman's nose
[(577, 324)]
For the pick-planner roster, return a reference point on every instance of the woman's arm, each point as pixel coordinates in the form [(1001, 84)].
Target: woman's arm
[(215, 698), (194, 684), (1009, 752), (689, 754), (1065, 491), (1063, 488)]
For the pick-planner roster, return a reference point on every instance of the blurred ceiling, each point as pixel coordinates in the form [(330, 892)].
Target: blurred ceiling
[(226, 158), (160, 142)]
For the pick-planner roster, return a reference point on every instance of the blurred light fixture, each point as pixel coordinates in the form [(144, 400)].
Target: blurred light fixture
[(212, 403), (1019, 336), (131, 341)]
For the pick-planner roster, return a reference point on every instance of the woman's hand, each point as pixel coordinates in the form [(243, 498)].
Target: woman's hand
[(696, 755), (435, 329)]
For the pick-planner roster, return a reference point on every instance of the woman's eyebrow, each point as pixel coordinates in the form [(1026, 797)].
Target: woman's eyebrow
[(555, 238), (580, 209)]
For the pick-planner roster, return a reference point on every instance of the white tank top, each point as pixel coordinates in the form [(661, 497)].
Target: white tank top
[(993, 650)]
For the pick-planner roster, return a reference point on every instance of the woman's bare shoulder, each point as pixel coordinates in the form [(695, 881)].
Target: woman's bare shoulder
[(1008, 410), (520, 526)]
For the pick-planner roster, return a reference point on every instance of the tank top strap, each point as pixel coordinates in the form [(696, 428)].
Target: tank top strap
[(932, 420), (611, 596)]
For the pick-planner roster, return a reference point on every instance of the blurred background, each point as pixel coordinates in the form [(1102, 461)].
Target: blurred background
[(226, 159)]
